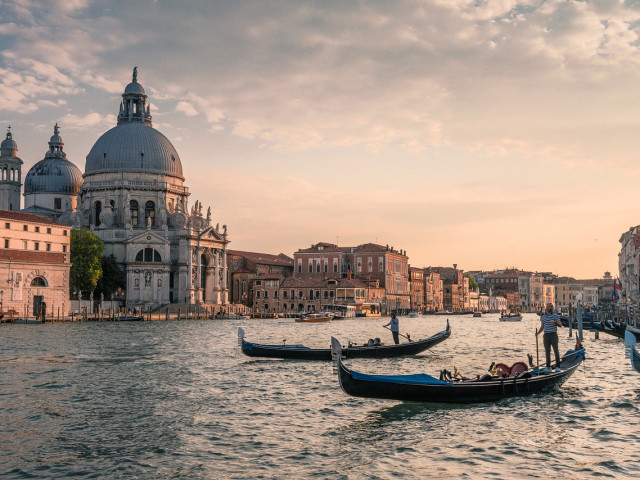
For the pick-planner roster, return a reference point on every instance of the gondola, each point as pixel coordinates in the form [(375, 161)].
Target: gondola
[(130, 318), (425, 388), (635, 358), (609, 327), (375, 350)]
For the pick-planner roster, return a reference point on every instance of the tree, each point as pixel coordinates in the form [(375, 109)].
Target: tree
[(473, 285), (86, 260), (112, 277)]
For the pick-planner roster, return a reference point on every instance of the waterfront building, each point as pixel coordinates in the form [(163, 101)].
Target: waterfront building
[(245, 267), (133, 196), (434, 301), (455, 288), (10, 174), (629, 265), (549, 293), (417, 286), (34, 265), (567, 290), (383, 270)]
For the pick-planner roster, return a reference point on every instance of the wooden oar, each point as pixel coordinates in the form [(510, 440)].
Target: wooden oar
[(537, 354), (408, 338)]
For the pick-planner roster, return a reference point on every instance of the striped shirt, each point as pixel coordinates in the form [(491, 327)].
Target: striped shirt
[(548, 320)]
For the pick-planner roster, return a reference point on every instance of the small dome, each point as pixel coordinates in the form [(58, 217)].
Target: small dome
[(9, 147), (134, 88), (53, 175)]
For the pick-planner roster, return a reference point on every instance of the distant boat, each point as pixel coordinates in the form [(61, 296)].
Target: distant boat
[(315, 318), (510, 317), (477, 314), (413, 315), (25, 321)]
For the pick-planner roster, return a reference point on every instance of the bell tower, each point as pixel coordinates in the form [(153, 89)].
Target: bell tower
[(10, 174)]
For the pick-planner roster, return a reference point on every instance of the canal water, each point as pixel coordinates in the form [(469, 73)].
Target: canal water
[(177, 399)]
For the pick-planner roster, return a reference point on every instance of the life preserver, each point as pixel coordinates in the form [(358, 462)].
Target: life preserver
[(502, 370), (517, 368)]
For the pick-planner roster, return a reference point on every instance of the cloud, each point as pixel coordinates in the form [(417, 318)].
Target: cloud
[(186, 108)]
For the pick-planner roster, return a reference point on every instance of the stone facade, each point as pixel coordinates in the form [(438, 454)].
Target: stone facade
[(34, 265)]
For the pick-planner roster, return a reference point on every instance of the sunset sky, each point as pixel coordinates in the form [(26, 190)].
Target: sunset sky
[(488, 134)]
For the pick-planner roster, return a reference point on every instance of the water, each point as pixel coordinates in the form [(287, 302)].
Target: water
[(178, 400)]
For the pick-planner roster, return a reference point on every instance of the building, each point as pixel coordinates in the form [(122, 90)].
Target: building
[(133, 196), (383, 271), (34, 265), (455, 288), (629, 266)]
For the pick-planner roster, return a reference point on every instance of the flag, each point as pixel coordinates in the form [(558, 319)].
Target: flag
[(616, 286)]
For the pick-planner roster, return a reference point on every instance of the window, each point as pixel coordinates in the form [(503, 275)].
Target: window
[(150, 213), (7, 225), (310, 294), (38, 282), (98, 209), (36, 246), (48, 247), (133, 206), (64, 232), (57, 203), (275, 294), (64, 248), (148, 255), (37, 229), (24, 244), (49, 231), (25, 228), (318, 267), (284, 294), (6, 243), (258, 282), (266, 294), (257, 293)]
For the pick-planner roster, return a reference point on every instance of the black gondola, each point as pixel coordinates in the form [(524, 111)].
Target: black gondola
[(635, 358), (609, 327), (425, 388), (300, 352), (130, 318)]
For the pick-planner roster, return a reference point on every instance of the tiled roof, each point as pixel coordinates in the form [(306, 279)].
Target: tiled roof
[(27, 217), (263, 258)]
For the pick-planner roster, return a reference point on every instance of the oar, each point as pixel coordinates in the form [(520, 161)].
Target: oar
[(408, 338), (537, 354)]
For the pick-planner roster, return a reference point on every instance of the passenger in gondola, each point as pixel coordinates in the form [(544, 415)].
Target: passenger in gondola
[(394, 326), (549, 323)]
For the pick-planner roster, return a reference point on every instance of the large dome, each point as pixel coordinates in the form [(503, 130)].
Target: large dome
[(53, 175), (134, 147)]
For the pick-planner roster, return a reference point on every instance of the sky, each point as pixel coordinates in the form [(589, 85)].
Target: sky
[(487, 134)]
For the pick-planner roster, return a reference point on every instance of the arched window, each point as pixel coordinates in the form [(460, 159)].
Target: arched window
[(150, 213), (133, 206), (38, 282), (148, 255), (98, 210)]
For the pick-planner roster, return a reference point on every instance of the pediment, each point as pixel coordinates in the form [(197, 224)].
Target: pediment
[(147, 238), (212, 234)]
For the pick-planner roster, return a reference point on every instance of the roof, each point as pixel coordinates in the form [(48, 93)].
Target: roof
[(27, 217), (264, 258)]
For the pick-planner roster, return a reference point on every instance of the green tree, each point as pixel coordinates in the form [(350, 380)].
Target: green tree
[(473, 285), (86, 260), (112, 277)]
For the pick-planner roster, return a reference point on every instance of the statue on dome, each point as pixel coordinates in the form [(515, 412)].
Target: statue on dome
[(135, 74), (209, 216)]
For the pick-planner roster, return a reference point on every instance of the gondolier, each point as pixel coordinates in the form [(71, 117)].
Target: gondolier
[(549, 323), (394, 325)]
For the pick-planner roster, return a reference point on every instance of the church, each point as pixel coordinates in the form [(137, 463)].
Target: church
[(133, 196)]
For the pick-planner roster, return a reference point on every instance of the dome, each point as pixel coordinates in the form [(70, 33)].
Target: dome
[(134, 147), (134, 88), (9, 147), (53, 175)]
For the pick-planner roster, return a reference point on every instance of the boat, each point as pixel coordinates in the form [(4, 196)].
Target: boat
[(477, 314), (340, 312), (611, 328), (425, 388), (315, 318), (129, 318), (29, 321), (413, 314), (510, 317), (372, 349), (264, 315), (635, 358)]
